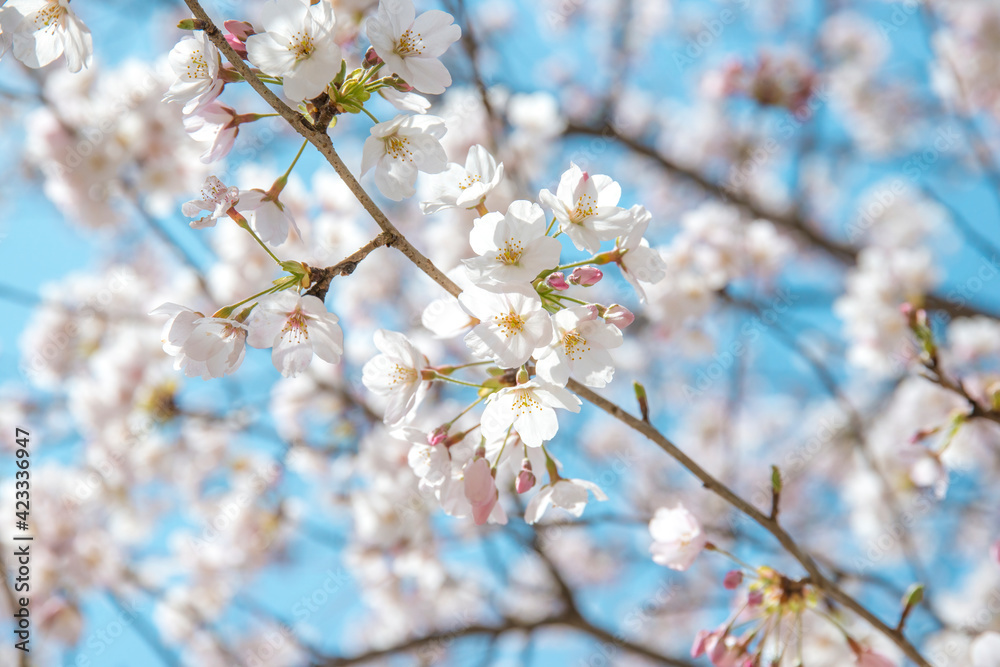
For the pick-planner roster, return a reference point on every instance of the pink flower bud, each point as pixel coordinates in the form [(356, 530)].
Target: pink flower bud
[(732, 579), (557, 281), (586, 276), (525, 478), (238, 46), (238, 33), (620, 316), (698, 648), (755, 598), (437, 436), (480, 490), (371, 58), (239, 29)]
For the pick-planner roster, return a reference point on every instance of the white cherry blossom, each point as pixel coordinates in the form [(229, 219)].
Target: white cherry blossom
[(677, 537), (530, 409), (465, 187), (587, 208), (512, 247), (569, 494), (296, 327), (640, 263), (267, 214), (298, 45), (430, 463), (401, 147), (512, 324), (396, 374), (196, 64), (215, 198), (580, 348), (39, 31), (410, 45), (210, 347)]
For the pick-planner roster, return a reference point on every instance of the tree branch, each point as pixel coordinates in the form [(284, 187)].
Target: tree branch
[(324, 145), (816, 577)]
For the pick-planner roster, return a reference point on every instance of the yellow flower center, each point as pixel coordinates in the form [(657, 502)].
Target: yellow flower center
[(586, 206), (509, 324), (409, 44), (398, 148)]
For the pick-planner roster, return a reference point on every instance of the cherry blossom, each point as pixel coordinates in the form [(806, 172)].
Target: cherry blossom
[(215, 198), (587, 208), (580, 348), (396, 374), (215, 123), (39, 31), (482, 494), (298, 45), (210, 347), (528, 408), (196, 64), (296, 327), (401, 147), (512, 324), (267, 214), (639, 262), (512, 247), (569, 494), (410, 45), (465, 187), (677, 537)]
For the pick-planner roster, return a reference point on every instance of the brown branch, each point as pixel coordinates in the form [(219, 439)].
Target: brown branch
[(321, 277), (324, 145), (816, 577)]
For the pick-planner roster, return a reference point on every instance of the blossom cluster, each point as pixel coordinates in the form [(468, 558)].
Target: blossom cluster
[(523, 316)]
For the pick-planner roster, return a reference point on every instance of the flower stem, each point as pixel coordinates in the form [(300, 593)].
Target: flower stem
[(445, 378), (551, 225), (370, 115), (284, 177), (463, 412), (563, 267), (242, 222)]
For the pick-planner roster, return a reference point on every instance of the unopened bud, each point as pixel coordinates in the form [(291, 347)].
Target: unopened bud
[(586, 276), (238, 46), (371, 58), (755, 598), (239, 29), (525, 478), (557, 281), (620, 316), (522, 375), (732, 579), (191, 24), (437, 436)]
